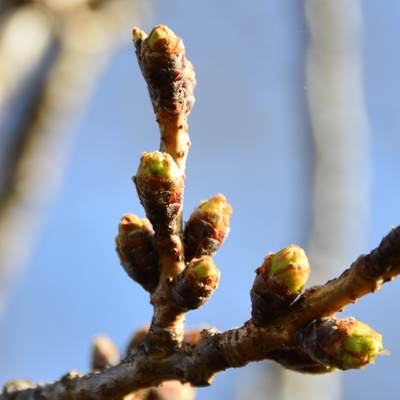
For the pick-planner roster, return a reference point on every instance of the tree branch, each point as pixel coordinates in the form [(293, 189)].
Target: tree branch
[(215, 352), (301, 333)]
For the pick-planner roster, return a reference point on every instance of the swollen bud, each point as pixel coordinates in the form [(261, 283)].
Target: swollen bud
[(280, 279), (134, 244), (171, 81), (290, 269), (207, 228), (169, 75), (104, 353), (159, 183), (341, 343), (196, 283), (158, 165)]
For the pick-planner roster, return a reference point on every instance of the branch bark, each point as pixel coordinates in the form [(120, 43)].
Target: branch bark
[(198, 364)]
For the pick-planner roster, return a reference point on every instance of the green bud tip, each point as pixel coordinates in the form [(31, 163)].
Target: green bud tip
[(361, 345), (204, 268), (138, 35), (158, 165), (131, 223), (217, 205), (290, 267), (160, 32)]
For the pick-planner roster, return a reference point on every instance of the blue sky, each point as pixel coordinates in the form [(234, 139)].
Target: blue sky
[(251, 141)]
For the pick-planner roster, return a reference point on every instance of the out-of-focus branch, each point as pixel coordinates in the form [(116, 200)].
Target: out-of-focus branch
[(334, 81), (8, 5), (86, 35), (21, 26)]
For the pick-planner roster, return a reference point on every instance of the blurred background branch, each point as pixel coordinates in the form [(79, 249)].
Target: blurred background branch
[(340, 132), (339, 126), (52, 53)]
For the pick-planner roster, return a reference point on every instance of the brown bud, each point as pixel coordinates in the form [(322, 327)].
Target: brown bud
[(135, 249), (280, 279), (207, 228), (159, 183), (340, 343), (104, 353), (196, 283), (169, 75), (16, 385)]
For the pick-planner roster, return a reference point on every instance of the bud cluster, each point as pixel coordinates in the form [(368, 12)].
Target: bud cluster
[(189, 276), (134, 244), (280, 279)]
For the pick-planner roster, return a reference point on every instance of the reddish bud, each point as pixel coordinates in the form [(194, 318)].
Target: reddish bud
[(169, 75), (159, 183), (207, 228), (135, 249)]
